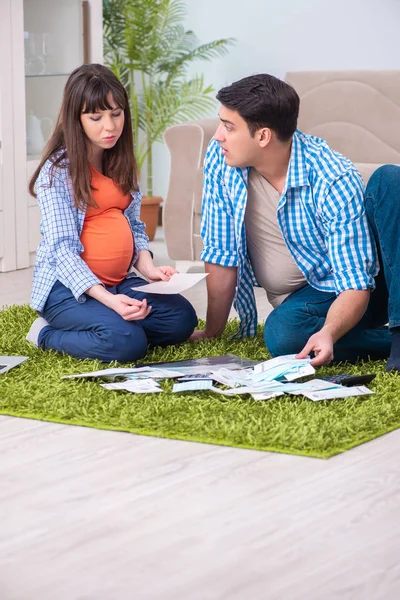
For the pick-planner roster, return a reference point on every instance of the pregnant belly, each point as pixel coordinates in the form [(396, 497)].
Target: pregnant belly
[(108, 246)]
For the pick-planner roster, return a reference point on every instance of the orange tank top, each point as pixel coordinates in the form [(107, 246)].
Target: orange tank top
[(106, 235)]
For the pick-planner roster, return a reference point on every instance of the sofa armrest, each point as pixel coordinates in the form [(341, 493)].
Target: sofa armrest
[(187, 144)]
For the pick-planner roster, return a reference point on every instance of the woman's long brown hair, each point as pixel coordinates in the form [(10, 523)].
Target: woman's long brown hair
[(86, 91)]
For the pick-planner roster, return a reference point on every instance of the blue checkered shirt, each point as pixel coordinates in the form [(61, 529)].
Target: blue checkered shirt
[(58, 254), (320, 213)]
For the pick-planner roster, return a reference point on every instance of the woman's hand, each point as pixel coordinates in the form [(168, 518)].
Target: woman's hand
[(129, 308), (159, 273), (146, 267)]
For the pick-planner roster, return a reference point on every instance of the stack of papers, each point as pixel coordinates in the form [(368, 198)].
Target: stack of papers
[(133, 373), (262, 381), (283, 367)]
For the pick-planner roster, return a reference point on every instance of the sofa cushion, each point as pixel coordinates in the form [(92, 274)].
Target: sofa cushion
[(366, 170)]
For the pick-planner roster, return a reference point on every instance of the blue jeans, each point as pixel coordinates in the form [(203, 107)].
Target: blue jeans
[(382, 205), (303, 313), (91, 330), (290, 325)]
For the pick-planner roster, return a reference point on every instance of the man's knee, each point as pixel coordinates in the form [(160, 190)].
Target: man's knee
[(280, 335), (383, 178)]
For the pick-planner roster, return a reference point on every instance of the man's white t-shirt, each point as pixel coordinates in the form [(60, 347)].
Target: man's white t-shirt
[(271, 260)]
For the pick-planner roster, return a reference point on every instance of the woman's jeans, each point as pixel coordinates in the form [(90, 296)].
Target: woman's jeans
[(91, 330), (288, 328)]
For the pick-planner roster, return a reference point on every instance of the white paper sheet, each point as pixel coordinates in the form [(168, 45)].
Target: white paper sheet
[(266, 365), (103, 373), (269, 389), (232, 378), (139, 386), (313, 385), (283, 367), (187, 386), (130, 373), (266, 396), (343, 392), (154, 373), (179, 282), (298, 372), (237, 391)]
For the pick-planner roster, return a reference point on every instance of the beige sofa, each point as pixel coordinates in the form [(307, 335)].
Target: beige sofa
[(357, 112)]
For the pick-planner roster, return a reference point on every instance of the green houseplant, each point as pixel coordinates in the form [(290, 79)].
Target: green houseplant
[(148, 48)]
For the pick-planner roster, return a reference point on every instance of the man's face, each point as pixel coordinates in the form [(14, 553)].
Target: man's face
[(239, 148)]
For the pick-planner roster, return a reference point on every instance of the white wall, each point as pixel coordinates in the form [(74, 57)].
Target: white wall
[(96, 31), (275, 36)]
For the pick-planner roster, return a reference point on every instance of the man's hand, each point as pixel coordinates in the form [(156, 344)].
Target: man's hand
[(129, 308), (345, 312), (199, 334), (321, 343)]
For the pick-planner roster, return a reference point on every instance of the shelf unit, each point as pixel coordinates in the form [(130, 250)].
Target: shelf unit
[(41, 42), (47, 75)]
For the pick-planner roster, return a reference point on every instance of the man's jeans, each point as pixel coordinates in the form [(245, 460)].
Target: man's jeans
[(303, 313), (382, 203)]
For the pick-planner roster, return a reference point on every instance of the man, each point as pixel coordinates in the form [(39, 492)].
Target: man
[(281, 209)]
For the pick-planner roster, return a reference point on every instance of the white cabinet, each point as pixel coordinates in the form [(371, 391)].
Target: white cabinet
[(41, 42)]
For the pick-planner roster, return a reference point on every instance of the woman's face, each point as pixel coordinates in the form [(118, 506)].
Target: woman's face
[(103, 128)]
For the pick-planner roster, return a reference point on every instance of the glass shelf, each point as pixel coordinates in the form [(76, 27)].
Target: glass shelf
[(48, 75), (54, 38)]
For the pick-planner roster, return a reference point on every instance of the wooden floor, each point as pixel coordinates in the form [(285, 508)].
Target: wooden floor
[(98, 515)]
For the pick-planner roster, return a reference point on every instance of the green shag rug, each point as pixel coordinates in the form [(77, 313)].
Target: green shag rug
[(286, 424)]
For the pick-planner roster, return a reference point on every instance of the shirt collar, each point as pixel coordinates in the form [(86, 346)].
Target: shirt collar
[(297, 175)]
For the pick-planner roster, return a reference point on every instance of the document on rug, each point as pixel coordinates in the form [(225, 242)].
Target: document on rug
[(345, 392), (9, 362), (189, 386), (142, 386), (106, 373), (298, 389), (132, 373), (286, 367), (205, 365)]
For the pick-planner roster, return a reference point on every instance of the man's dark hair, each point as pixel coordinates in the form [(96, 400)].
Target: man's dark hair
[(263, 101)]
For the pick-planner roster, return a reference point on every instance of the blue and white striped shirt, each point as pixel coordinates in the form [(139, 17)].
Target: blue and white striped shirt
[(320, 213), (58, 254)]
